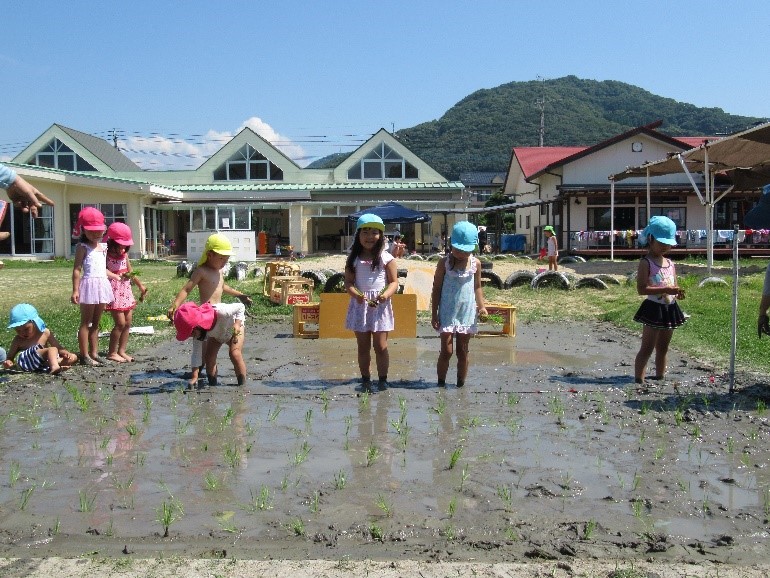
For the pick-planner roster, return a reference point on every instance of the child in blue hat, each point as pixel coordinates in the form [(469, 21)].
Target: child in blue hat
[(37, 348), (456, 299), (659, 313), (371, 279)]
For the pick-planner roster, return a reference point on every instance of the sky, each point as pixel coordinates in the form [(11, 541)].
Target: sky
[(176, 79)]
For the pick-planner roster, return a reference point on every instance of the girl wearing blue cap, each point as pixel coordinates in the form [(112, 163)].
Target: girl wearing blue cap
[(371, 279), (659, 312), (456, 299), (37, 348)]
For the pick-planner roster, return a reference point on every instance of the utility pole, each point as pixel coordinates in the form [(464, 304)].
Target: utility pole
[(115, 137), (540, 103)]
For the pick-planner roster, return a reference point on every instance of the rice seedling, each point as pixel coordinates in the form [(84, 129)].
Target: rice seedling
[(324, 401), (645, 408), (511, 535), (458, 451), (556, 405), (86, 501), (384, 506), (376, 532), (452, 508), (275, 412), (147, 407), (109, 459), (301, 455), (706, 506), (140, 458), (56, 400), (636, 482), (753, 434), (168, 512), (684, 487), (25, 496), (340, 479), (372, 454), (78, 397), (588, 529), (227, 419), (464, 475), (730, 445), (124, 485), (761, 407), (449, 532), (363, 401), (285, 482), (441, 404), (637, 506), (308, 419), (297, 526), (678, 416), (514, 426), (211, 481), (504, 493), (659, 452), (766, 500), (56, 528), (315, 502), (132, 428), (232, 455), (745, 459), (621, 481), (471, 422), (512, 399), (13, 473), (261, 500)]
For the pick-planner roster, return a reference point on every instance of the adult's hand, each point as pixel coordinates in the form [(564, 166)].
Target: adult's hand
[(26, 197)]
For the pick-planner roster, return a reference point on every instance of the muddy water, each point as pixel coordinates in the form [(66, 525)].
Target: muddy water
[(548, 451)]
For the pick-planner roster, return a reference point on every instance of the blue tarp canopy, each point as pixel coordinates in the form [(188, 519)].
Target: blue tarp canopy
[(393, 213)]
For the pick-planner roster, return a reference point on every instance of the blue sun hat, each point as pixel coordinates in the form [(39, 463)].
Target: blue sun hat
[(759, 216), (661, 228), (24, 313), (465, 236), (370, 220)]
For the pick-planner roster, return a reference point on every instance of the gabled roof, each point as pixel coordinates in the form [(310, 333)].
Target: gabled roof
[(94, 150), (648, 130), (247, 135), (481, 178), (101, 149), (534, 160)]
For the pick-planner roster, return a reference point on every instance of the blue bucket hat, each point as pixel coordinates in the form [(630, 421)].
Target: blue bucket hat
[(759, 216), (24, 313), (465, 236), (662, 228), (370, 220)]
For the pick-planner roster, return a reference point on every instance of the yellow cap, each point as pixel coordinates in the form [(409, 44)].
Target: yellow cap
[(217, 243)]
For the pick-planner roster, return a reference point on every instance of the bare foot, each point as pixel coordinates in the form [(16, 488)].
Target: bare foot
[(115, 357), (126, 357)]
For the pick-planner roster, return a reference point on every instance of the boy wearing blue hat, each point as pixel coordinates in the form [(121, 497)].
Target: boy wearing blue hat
[(37, 348)]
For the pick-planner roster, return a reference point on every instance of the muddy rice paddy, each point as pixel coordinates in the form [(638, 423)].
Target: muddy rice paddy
[(549, 453)]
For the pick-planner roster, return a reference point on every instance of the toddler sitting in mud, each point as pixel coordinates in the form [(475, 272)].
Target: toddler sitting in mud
[(215, 324), (37, 348)]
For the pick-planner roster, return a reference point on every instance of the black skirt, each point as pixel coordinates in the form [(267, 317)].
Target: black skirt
[(660, 315)]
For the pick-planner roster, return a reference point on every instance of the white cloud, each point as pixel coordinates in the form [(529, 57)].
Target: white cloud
[(165, 153)]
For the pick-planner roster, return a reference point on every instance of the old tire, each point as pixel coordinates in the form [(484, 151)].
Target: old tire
[(518, 278), (492, 278), (318, 278), (550, 279), (591, 282), (335, 283)]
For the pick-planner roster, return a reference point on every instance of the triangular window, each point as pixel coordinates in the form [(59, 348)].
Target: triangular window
[(58, 155), (383, 162), (248, 164)]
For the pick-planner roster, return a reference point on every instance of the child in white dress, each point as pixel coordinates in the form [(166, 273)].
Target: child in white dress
[(371, 279)]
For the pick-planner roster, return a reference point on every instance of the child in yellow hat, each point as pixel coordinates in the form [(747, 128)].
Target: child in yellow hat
[(210, 281)]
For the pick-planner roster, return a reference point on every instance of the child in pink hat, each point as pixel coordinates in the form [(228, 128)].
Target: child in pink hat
[(216, 324), (119, 240)]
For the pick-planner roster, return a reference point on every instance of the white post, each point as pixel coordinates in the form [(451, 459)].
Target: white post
[(709, 214), (612, 219), (734, 340)]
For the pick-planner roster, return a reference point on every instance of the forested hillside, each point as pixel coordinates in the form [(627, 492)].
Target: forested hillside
[(477, 133)]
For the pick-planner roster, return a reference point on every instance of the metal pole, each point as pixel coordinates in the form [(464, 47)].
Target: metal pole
[(710, 215), (734, 341), (612, 219)]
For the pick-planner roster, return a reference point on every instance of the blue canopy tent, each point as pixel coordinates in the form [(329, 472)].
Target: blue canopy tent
[(392, 213)]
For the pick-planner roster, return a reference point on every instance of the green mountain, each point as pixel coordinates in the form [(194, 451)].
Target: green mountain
[(478, 132)]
